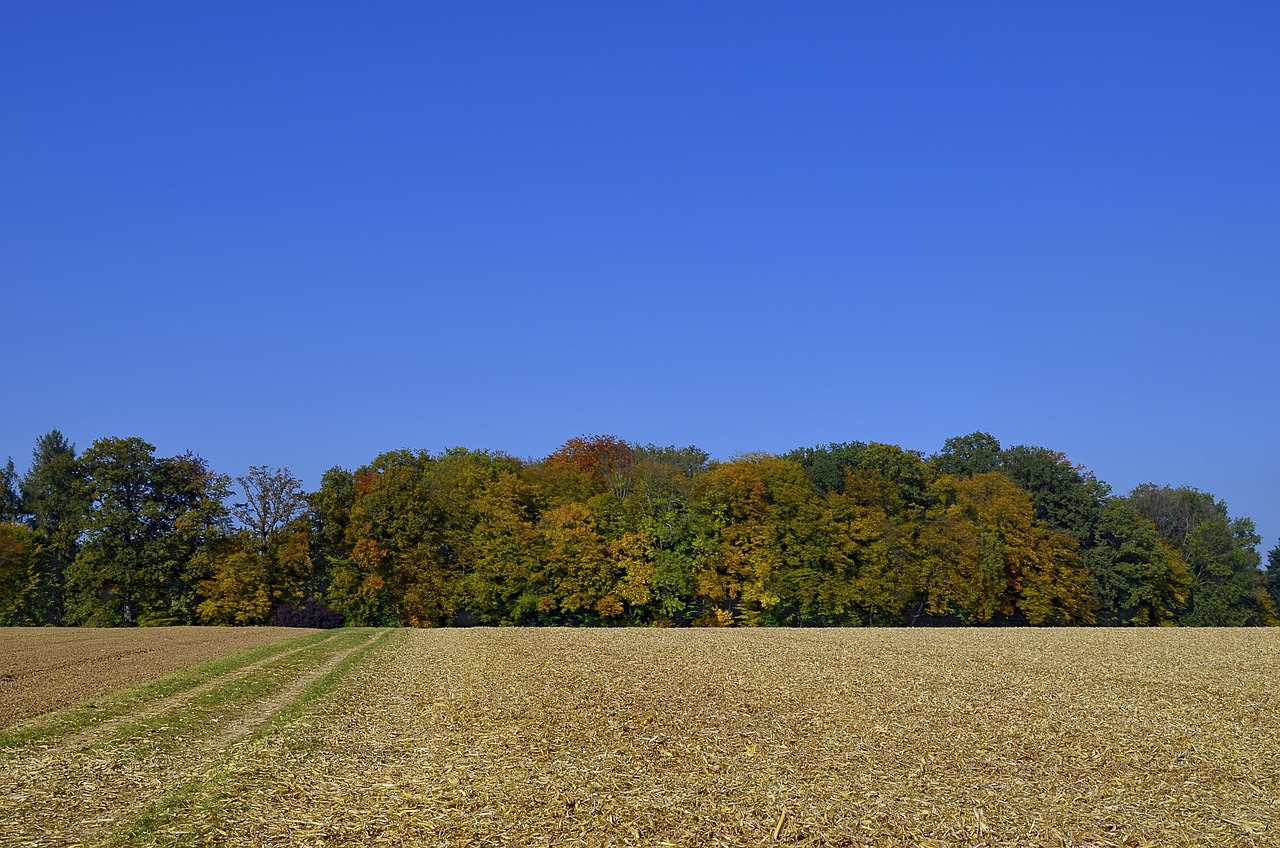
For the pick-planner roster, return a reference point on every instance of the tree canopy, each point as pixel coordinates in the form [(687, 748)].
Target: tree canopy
[(605, 532)]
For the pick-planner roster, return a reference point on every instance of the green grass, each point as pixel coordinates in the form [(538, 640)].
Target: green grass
[(225, 700), (202, 799), (125, 701)]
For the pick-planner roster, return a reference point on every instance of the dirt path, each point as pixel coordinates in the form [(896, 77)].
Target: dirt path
[(77, 788)]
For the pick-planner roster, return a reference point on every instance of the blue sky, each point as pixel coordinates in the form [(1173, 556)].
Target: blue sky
[(301, 234)]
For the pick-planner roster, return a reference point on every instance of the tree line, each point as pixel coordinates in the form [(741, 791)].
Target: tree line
[(605, 532)]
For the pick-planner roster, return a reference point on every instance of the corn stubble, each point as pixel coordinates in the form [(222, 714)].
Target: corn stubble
[(753, 737)]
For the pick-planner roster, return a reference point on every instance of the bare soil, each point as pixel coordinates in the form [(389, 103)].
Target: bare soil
[(47, 668)]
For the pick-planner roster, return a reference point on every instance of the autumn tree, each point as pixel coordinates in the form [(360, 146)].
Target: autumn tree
[(389, 519), (975, 547), (235, 588), (410, 532), (960, 578), (1009, 564), (19, 574), (880, 510), (267, 562), (1056, 589), (576, 579), (775, 557), (585, 466)]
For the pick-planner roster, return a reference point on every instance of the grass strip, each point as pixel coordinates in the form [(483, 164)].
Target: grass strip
[(194, 718), (323, 685), (187, 816), (124, 701)]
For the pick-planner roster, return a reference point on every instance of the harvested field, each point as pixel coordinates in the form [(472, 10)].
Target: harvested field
[(691, 737), (47, 668)]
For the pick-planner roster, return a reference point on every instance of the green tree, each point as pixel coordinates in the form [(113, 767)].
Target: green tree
[(10, 500), (268, 561), (330, 513), (1273, 575), (1141, 579), (273, 499), (57, 507), (149, 518), (500, 588), (825, 465), (965, 456), (1176, 512), (1228, 587), (1067, 497), (662, 534)]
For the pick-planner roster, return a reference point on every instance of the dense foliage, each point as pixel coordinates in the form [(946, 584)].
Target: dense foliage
[(607, 532)]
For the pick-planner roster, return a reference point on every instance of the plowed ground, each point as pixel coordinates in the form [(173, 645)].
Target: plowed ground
[(1082, 738)]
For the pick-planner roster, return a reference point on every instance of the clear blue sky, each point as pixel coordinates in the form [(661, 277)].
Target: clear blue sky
[(301, 234)]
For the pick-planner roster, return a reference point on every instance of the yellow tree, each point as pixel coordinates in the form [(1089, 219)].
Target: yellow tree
[(734, 582), (237, 590), (19, 573), (499, 588), (878, 517), (988, 556), (249, 576), (578, 577)]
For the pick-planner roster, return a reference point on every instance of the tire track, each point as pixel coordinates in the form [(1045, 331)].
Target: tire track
[(55, 794), (43, 670), (171, 703)]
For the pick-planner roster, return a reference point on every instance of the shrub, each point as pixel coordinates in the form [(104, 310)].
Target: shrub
[(312, 613)]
